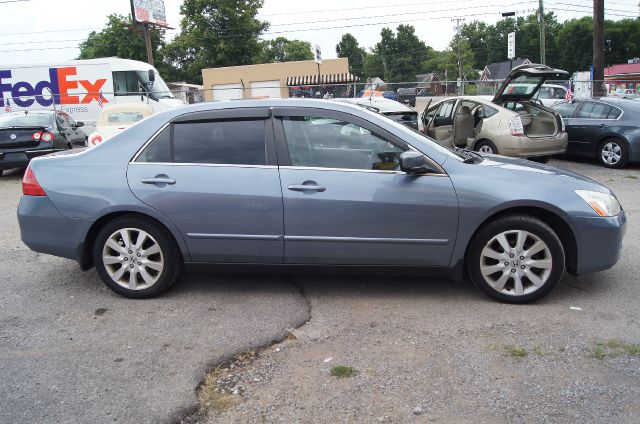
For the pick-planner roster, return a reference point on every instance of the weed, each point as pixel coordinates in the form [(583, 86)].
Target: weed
[(613, 348), (538, 351), (597, 352), (516, 351), (633, 177), (343, 371)]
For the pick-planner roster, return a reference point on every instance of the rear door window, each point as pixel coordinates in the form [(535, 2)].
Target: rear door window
[(224, 142), (593, 110), (565, 109)]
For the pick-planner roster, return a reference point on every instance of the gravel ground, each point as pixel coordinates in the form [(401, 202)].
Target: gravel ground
[(72, 351), (436, 351)]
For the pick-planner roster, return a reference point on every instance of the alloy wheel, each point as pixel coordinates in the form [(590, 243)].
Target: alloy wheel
[(611, 153), (133, 259), (486, 149), (516, 263)]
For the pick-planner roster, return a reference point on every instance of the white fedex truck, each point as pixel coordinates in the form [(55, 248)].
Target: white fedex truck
[(82, 87)]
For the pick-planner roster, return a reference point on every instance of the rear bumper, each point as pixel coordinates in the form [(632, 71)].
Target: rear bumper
[(43, 229), (20, 158), (539, 146), (599, 242)]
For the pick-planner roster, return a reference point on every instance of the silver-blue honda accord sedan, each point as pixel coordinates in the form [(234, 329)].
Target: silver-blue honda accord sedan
[(296, 184)]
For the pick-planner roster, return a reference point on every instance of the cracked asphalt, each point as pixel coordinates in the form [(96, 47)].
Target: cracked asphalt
[(428, 350), (72, 351)]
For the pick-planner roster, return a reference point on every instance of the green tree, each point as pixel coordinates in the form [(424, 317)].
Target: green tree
[(348, 47), (216, 33), (282, 49), (373, 65), (402, 53)]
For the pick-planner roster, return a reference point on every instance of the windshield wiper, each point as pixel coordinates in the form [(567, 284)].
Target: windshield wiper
[(468, 156)]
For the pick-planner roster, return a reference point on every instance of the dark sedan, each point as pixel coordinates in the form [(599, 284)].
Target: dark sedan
[(607, 129), (25, 135)]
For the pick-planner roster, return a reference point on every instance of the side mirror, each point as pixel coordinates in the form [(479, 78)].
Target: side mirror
[(151, 76), (415, 163)]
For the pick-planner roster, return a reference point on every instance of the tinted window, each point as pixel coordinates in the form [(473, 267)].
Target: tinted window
[(565, 109), (488, 111), (159, 150), (593, 110), (220, 142), (614, 113), (331, 143), (26, 120)]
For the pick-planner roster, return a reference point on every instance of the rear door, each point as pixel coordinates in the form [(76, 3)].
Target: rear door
[(351, 204), (589, 125), (214, 175)]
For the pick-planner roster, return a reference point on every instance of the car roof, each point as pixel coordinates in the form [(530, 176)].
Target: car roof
[(384, 105), (128, 107)]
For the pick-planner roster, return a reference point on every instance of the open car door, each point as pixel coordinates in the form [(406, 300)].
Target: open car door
[(524, 81)]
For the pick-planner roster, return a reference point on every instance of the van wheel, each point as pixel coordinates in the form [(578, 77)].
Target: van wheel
[(613, 153), (136, 258), (486, 146), (516, 259)]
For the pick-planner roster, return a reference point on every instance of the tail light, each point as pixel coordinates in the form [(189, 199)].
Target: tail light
[(515, 126), (42, 136), (30, 186), (562, 124)]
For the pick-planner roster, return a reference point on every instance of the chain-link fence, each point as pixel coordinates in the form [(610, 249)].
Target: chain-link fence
[(87, 106)]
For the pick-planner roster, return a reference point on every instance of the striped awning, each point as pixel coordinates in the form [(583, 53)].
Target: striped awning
[(321, 79)]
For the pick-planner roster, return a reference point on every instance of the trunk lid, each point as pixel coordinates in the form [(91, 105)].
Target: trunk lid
[(19, 136), (524, 81)]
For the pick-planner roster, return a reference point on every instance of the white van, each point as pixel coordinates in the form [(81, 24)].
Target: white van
[(82, 87)]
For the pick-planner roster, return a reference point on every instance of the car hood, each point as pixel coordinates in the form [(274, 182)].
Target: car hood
[(535, 172)]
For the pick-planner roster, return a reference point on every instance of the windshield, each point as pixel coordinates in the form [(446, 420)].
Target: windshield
[(158, 89), (26, 120), (123, 118)]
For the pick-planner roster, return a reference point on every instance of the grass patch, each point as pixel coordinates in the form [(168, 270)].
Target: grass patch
[(633, 177), (538, 351), (343, 371), (613, 348), (516, 351)]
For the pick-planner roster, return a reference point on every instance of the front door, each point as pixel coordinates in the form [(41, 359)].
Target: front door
[(217, 180), (345, 200), (441, 126)]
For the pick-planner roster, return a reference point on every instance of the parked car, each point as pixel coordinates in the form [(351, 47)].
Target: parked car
[(116, 118), (547, 95), (390, 95), (407, 96), (510, 123), (389, 108), (27, 134), (606, 128), (260, 183)]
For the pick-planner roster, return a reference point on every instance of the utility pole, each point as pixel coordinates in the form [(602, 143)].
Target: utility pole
[(598, 48), (147, 40), (543, 59), (458, 29)]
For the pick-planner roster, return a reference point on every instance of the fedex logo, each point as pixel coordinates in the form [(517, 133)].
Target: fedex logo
[(60, 82)]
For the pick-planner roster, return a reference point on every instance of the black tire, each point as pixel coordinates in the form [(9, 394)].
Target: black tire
[(534, 227), (171, 256), (623, 152), (487, 144), (540, 159)]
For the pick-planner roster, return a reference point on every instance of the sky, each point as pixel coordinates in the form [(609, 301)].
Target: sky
[(42, 31)]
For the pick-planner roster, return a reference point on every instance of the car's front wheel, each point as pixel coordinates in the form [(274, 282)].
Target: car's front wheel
[(136, 258), (613, 153), (516, 259)]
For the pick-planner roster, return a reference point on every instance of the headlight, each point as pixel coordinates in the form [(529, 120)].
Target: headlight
[(602, 203)]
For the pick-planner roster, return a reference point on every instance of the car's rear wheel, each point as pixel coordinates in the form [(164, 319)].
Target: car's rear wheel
[(613, 153), (136, 258), (516, 259), (486, 146)]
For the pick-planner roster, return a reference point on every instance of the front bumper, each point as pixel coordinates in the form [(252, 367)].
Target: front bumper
[(599, 242), (43, 229)]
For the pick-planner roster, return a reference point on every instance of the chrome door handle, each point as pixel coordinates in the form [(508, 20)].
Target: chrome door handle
[(303, 187), (158, 180)]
